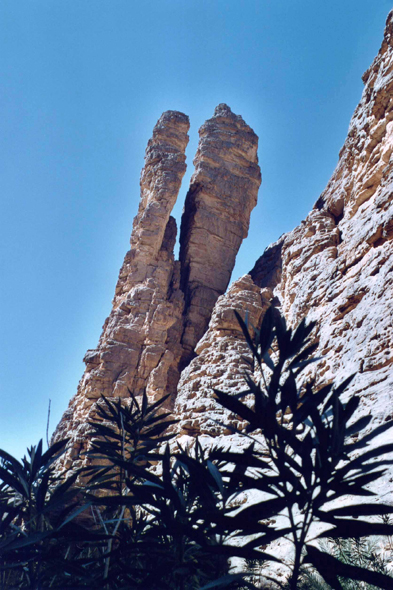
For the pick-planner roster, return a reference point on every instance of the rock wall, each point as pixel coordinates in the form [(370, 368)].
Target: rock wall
[(335, 268), (222, 359), (161, 306)]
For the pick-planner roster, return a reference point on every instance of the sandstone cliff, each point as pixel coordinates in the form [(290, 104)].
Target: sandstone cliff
[(335, 268), (161, 306)]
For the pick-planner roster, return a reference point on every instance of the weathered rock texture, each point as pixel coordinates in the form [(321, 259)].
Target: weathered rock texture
[(161, 306), (222, 359), (223, 192), (335, 268)]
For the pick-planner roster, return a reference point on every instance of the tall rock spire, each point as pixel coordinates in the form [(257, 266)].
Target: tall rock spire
[(223, 192), (161, 306), (135, 350)]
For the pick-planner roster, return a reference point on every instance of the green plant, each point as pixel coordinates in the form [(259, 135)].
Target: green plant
[(310, 459), (361, 552), (155, 505), (125, 438), (173, 518), (37, 512)]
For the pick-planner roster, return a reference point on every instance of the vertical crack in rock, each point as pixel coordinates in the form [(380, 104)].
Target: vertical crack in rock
[(223, 192)]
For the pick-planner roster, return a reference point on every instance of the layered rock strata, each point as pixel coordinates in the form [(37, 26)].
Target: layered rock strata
[(335, 268), (161, 306)]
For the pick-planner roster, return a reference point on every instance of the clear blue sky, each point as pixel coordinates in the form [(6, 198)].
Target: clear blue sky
[(82, 85)]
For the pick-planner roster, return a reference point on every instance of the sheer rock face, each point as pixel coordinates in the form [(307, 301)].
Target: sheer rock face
[(223, 192), (335, 268), (142, 343)]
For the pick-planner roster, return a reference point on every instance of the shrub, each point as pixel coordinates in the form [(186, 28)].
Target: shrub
[(168, 519), (311, 459), (37, 527)]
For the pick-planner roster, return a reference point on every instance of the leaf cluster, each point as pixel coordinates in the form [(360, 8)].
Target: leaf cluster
[(148, 513), (316, 454), (37, 519)]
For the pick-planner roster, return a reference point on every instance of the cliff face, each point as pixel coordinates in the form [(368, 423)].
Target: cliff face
[(335, 268), (172, 328), (161, 306)]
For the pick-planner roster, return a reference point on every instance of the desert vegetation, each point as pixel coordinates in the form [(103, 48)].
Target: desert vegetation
[(148, 513)]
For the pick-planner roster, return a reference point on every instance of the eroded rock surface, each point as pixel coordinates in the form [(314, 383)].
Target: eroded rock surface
[(337, 265), (222, 359), (161, 306), (139, 344), (223, 192), (335, 268)]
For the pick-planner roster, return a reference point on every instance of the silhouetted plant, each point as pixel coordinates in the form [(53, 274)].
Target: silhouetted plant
[(309, 460), (181, 542), (37, 510), (168, 519)]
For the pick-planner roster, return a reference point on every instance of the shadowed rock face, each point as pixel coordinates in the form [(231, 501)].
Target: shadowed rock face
[(161, 306)]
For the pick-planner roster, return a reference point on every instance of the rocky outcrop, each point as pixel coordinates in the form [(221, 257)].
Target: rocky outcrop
[(171, 319), (161, 306), (335, 268), (138, 345), (337, 265), (222, 359)]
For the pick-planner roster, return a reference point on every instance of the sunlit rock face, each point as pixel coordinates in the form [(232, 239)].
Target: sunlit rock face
[(336, 268), (161, 306)]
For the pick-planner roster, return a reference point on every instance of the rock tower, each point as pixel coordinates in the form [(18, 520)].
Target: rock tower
[(162, 306)]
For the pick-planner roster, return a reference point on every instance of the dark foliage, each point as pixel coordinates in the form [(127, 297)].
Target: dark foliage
[(39, 537), (162, 508), (156, 518), (310, 452)]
